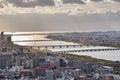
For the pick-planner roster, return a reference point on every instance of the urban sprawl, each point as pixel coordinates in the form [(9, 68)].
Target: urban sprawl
[(20, 63)]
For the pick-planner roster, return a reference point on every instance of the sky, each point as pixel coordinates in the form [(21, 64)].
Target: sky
[(93, 15)]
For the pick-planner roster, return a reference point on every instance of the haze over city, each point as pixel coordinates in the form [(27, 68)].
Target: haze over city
[(59, 39), (59, 15)]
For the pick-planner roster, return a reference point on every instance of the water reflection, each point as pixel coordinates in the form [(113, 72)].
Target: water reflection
[(109, 55)]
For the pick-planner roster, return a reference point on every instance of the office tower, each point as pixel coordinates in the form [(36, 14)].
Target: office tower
[(6, 60), (50, 75), (2, 36)]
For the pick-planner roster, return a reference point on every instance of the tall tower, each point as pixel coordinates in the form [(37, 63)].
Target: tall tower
[(9, 41), (2, 36)]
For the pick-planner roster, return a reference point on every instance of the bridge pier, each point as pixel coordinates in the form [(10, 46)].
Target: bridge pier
[(87, 45), (38, 48), (53, 47), (67, 46), (81, 45), (60, 46), (46, 47), (74, 46)]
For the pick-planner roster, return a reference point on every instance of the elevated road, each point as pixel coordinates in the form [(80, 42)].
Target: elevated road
[(53, 46), (86, 50), (67, 48), (26, 34), (31, 40), (72, 48)]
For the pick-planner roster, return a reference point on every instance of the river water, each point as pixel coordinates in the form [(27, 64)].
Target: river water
[(108, 55)]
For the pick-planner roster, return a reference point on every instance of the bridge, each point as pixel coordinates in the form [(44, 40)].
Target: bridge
[(32, 40), (46, 46), (86, 50), (75, 48), (53, 46), (26, 34), (68, 48)]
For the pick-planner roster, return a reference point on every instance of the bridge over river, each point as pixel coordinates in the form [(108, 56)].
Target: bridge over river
[(53, 46), (33, 40), (72, 48), (63, 48)]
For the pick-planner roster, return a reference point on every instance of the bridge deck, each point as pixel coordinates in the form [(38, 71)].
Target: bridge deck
[(87, 50), (32, 40), (26, 34), (69, 48)]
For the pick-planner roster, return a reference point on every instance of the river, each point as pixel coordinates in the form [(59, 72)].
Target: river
[(108, 55)]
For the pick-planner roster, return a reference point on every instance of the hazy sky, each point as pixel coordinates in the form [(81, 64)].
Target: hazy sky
[(92, 16)]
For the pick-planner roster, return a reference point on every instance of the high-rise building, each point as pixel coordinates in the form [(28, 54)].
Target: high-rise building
[(2, 35), (50, 75), (87, 67), (5, 39), (9, 41), (2, 40), (62, 63), (6, 60)]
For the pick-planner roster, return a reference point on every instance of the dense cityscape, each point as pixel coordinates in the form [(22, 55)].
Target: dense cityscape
[(20, 63), (59, 39), (110, 38)]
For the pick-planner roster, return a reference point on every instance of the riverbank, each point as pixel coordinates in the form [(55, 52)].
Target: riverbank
[(86, 58), (114, 64), (76, 57), (110, 38)]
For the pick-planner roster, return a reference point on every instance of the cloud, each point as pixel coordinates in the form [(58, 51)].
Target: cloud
[(71, 8), (73, 1), (117, 0), (97, 0), (91, 16)]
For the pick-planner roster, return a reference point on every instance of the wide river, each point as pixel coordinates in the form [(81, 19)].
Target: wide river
[(108, 55)]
